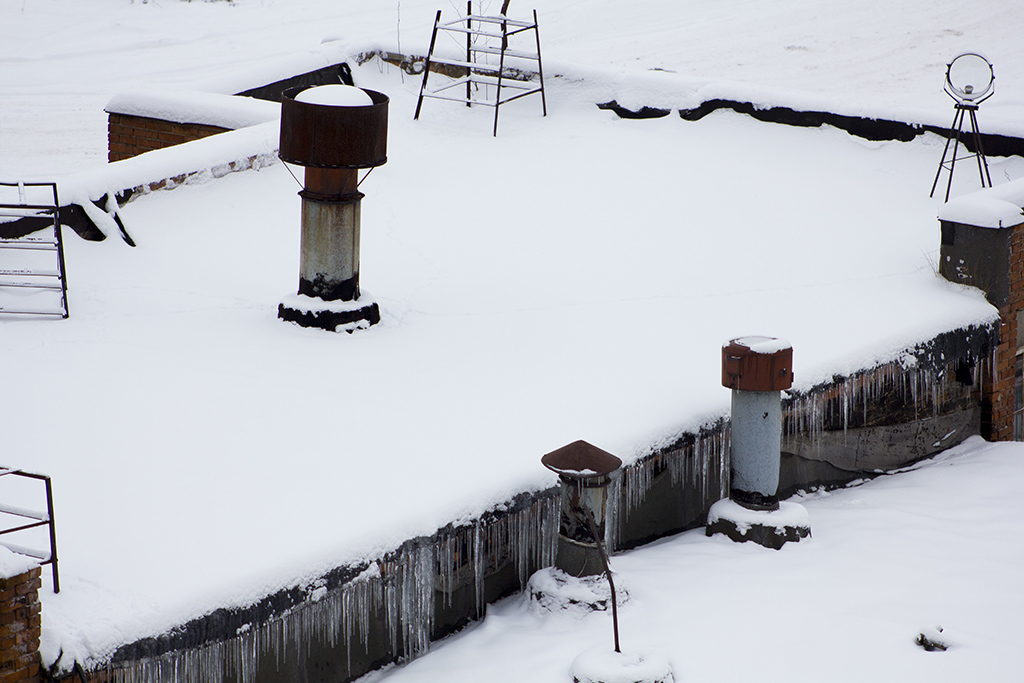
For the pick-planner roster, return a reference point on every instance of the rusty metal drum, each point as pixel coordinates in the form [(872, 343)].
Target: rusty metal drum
[(325, 136)]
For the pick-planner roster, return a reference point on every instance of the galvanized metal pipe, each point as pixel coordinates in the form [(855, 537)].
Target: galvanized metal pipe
[(329, 261), (757, 369), (755, 442)]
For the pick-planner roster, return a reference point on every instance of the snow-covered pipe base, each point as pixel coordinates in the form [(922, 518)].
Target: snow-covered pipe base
[(770, 528), (553, 591), (334, 316), (599, 665)]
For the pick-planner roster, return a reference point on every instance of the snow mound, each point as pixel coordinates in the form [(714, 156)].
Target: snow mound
[(601, 666), (335, 95), (552, 590)]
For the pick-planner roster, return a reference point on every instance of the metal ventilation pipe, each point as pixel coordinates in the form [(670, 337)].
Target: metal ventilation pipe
[(333, 131), (584, 472), (757, 369)]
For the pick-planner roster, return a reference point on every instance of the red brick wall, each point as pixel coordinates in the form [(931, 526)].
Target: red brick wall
[(1003, 380), (20, 619), (128, 136)]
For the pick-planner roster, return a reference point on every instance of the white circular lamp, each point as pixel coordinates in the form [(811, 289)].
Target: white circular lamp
[(970, 78)]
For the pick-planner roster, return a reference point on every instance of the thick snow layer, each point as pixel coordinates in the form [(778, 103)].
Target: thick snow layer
[(335, 96), (761, 345), (12, 564), (573, 278), (1000, 206), (191, 106)]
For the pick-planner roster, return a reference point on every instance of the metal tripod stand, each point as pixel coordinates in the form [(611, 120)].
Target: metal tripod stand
[(955, 132), (970, 80)]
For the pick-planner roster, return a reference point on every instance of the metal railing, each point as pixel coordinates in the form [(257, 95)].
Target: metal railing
[(37, 207), (37, 518)]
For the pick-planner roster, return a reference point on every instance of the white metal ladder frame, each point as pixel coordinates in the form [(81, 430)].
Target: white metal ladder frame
[(35, 279), (480, 72)]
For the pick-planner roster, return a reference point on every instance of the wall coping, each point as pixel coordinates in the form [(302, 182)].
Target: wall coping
[(996, 207), (193, 106), (13, 564)]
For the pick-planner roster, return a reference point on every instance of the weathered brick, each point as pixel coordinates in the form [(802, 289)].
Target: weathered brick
[(172, 138), (29, 587), (12, 628)]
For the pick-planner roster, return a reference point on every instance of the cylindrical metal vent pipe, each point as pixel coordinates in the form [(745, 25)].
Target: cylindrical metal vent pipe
[(325, 131), (757, 369), (584, 472)]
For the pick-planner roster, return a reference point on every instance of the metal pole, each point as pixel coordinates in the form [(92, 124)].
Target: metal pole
[(53, 537), (945, 150), (607, 571)]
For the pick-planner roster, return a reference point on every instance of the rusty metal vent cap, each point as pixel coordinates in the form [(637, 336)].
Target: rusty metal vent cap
[(757, 363), (581, 460), (332, 135)]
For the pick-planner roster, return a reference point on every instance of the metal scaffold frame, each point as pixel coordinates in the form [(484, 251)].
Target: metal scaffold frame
[(482, 33)]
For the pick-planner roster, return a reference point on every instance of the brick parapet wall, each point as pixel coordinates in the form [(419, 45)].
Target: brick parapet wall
[(129, 135), (1002, 394), (20, 624)]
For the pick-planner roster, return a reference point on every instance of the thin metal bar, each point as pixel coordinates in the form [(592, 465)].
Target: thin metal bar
[(510, 53), (426, 66), (516, 97), (474, 32), (956, 147), (31, 525), (540, 66), (980, 150), (41, 208), (29, 285), (480, 102), (53, 537), (26, 184), (607, 570), (60, 262), (27, 246), (469, 53), (501, 69), (945, 150)]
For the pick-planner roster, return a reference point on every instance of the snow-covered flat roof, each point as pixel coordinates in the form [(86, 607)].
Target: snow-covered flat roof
[(573, 278)]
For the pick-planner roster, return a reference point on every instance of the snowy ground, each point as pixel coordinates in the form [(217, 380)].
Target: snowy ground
[(573, 278)]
